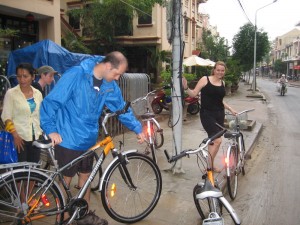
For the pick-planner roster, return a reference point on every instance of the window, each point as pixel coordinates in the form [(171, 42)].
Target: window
[(145, 19), (186, 26)]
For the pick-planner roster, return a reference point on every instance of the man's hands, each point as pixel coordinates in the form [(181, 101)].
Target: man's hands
[(141, 138), (55, 138)]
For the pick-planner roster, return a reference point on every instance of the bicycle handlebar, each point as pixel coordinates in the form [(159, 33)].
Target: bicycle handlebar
[(184, 153)]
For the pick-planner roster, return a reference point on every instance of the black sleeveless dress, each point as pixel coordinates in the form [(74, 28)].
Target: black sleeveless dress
[(212, 107)]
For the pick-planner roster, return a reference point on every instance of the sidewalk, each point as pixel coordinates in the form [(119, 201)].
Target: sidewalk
[(176, 204)]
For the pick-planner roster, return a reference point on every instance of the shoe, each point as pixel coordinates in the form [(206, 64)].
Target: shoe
[(91, 219)]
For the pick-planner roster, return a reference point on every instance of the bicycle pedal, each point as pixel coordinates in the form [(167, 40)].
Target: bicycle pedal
[(213, 219)]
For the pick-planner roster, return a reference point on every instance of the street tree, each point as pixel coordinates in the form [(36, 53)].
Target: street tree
[(243, 46), (103, 20), (279, 67)]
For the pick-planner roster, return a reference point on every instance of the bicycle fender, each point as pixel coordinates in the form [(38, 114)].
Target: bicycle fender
[(46, 176), (110, 164)]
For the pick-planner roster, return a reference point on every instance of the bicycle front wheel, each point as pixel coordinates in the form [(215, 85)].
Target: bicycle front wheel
[(123, 202), (207, 205), (24, 200), (232, 172)]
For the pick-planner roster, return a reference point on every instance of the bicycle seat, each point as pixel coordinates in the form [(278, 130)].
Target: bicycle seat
[(147, 115), (230, 134), (207, 190), (42, 144)]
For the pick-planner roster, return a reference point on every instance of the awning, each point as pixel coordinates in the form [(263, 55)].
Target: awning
[(297, 67)]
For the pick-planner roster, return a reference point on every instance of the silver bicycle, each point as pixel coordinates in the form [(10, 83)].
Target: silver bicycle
[(235, 154), (208, 198), (130, 188), (151, 128)]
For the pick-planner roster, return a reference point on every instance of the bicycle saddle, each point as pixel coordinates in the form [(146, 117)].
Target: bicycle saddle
[(207, 190), (147, 115), (42, 143), (230, 134)]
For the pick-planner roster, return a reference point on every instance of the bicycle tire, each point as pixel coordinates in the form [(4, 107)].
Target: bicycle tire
[(96, 181), (193, 109), (126, 204), (153, 152), (158, 136), (157, 109), (232, 172), (11, 204), (242, 156), (204, 206)]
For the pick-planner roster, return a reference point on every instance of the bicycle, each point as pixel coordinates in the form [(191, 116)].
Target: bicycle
[(130, 187), (235, 154), (151, 128), (207, 195)]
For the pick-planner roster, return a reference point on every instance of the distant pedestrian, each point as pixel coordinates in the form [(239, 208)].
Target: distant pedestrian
[(46, 77), (212, 92), (21, 113)]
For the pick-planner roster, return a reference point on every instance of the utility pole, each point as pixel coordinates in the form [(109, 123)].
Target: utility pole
[(177, 48)]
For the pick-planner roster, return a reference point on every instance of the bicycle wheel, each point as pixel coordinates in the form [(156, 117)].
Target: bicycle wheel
[(21, 191), (207, 205), (158, 136), (242, 155), (123, 202), (232, 172)]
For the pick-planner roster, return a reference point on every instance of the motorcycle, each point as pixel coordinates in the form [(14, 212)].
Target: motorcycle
[(282, 88), (162, 101)]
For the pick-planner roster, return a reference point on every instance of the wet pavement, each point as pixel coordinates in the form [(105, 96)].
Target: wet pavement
[(176, 204)]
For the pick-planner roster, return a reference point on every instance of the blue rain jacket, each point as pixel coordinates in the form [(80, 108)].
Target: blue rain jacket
[(73, 107)]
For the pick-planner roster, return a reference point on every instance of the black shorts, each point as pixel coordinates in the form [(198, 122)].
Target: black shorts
[(29, 153), (209, 120), (64, 155)]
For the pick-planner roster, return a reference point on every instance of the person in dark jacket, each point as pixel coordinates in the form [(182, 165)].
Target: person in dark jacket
[(70, 112), (46, 77), (212, 91)]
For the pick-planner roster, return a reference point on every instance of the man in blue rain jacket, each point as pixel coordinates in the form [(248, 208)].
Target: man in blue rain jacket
[(70, 113)]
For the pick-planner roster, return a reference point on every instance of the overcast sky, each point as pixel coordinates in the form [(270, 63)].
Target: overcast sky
[(275, 19)]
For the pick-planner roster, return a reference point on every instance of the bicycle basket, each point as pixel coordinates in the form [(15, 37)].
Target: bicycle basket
[(213, 219), (140, 105), (242, 120)]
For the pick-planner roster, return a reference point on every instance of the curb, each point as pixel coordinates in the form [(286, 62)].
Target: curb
[(254, 140)]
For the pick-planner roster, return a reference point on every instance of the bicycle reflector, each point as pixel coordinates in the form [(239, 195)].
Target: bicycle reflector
[(113, 190), (45, 200)]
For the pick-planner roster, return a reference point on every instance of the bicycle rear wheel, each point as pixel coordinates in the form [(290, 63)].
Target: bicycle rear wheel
[(232, 171), (158, 136), (22, 191), (207, 205), (123, 202)]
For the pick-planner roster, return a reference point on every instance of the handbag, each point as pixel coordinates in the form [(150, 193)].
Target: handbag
[(8, 152)]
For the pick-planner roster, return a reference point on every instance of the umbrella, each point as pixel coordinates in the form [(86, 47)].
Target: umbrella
[(195, 61), (211, 63)]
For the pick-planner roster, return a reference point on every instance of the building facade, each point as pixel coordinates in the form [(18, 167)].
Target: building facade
[(287, 48), (34, 20)]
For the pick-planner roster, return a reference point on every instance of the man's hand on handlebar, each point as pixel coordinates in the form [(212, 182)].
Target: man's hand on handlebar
[(141, 138), (55, 138)]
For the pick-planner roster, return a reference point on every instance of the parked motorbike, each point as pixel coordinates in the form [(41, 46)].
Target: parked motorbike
[(162, 101)]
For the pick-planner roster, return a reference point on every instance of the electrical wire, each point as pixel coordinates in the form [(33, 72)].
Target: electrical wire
[(240, 4), (132, 6)]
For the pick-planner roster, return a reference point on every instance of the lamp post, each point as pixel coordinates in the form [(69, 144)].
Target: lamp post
[(254, 63)]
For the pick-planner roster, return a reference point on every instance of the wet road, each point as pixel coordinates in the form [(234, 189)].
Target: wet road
[(269, 193)]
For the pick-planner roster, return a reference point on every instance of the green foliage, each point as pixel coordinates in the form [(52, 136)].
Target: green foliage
[(8, 32), (279, 66), (243, 46), (73, 44), (104, 20), (213, 47)]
